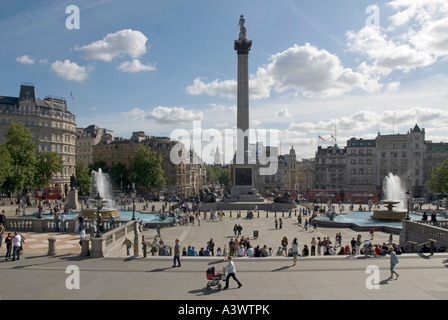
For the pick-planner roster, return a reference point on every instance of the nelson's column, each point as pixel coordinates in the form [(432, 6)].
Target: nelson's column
[(243, 168)]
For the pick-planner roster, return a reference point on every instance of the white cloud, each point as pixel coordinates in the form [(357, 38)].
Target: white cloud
[(385, 55), (226, 88), (164, 115), (416, 37), (364, 120), (306, 69), (135, 66), (224, 109), (255, 123), (123, 42), (283, 113), (174, 115), (135, 113), (25, 59), (312, 71), (70, 70)]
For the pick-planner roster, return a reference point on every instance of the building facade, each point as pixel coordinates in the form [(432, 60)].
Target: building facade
[(358, 170), (88, 137), (51, 124), (122, 150), (403, 155)]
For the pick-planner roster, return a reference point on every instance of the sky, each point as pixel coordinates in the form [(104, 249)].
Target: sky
[(338, 69)]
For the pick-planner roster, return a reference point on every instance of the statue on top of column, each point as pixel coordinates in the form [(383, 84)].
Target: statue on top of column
[(242, 27)]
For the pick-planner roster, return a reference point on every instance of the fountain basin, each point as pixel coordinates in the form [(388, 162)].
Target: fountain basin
[(107, 210), (390, 214), (394, 215), (363, 221), (105, 213)]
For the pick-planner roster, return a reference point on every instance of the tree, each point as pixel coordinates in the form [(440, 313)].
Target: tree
[(119, 175), (82, 176), (47, 165), (224, 177), (22, 150), (438, 178), (5, 163), (99, 165), (146, 169)]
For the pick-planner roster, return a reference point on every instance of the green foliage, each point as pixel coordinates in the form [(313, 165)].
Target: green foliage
[(146, 169), (5, 162), (99, 165), (438, 178), (119, 175), (216, 173), (47, 165), (20, 166), (22, 150), (82, 176)]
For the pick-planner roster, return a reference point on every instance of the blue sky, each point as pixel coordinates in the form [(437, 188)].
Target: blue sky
[(315, 66)]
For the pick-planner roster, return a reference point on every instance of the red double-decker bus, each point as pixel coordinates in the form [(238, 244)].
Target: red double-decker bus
[(324, 195), (53, 193)]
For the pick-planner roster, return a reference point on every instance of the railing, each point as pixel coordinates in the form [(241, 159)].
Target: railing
[(111, 241), (20, 224), (418, 233)]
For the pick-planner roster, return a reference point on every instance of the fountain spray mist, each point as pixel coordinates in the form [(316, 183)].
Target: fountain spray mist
[(394, 190)]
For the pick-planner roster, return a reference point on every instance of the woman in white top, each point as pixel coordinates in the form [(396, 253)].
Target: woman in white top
[(241, 251), (295, 250)]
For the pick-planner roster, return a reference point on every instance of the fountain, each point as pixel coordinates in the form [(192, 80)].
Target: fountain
[(395, 200), (100, 185)]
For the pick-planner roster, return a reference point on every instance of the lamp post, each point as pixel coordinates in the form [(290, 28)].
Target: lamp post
[(39, 193), (99, 206), (408, 197), (133, 195)]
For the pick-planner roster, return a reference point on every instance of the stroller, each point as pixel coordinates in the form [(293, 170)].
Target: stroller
[(214, 278)]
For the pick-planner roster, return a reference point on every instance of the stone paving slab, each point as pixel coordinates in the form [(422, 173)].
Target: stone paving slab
[(265, 280)]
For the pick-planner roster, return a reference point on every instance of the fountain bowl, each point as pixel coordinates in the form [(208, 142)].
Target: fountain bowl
[(390, 213), (106, 211)]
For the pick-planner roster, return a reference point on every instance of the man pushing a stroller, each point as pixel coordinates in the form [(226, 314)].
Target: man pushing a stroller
[(231, 273)]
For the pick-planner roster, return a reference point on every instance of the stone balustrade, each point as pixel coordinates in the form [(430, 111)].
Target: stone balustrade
[(423, 231), (112, 241), (24, 224)]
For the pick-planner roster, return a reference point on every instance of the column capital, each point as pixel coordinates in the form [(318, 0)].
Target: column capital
[(242, 46)]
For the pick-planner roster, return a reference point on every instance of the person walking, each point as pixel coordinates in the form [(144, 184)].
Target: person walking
[(176, 254), (211, 246), (295, 250), (358, 245), (128, 244), (393, 262), (231, 271), (313, 246), (17, 243), (2, 233), (8, 242)]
